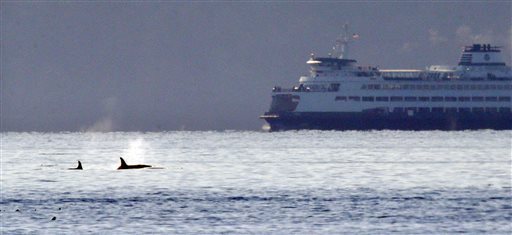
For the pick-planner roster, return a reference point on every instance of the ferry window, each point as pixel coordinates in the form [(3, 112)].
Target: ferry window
[(466, 87), (396, 98), (478, 110), (491, 109), (439, 87), (493, 87), (437, 98), (451, 110), (460, 87), (504, 98), (473, 87), (432, 87), (486, 87), (450, 98), (424, 98), (354, 98), (406, 86), (364, 87), (398, 109), (367, 98), (464, 109), (426, 87), (477, 98), (446, 87), (313, 87), (452, 87), (423, 110), (464, 98), (382, 98), (491, 98), (504, 109), (500, 87), (340, 98), (410, 98), (437, 109), (334, 87), (507, 87)]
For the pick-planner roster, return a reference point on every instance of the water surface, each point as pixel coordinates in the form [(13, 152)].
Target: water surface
[(253, 182)]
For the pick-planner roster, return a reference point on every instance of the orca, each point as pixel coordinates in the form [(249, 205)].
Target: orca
[(124, 166), (79, 167)]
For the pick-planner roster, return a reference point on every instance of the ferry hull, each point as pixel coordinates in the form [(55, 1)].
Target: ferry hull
[(390, 121)]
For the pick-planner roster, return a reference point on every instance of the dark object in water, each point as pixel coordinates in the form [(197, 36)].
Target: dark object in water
[(124, 166), (54, 218), (79, 167)]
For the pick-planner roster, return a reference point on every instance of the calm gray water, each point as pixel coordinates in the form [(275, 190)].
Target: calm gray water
[(304, 182)]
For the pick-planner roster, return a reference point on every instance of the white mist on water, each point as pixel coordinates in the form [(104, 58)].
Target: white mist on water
[(136, 152)]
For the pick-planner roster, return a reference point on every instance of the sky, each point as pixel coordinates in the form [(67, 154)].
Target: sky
[(167, 65)]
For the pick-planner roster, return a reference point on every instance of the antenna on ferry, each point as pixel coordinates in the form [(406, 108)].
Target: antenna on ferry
[(340, 49)]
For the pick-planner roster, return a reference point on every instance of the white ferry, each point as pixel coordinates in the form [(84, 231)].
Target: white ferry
[(339, 94)]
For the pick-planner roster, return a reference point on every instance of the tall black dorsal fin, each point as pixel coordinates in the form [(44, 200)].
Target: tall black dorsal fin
[(79, 167), (123, 163)]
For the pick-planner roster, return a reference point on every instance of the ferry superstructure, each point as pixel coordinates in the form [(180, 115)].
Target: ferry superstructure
[(338, 94)]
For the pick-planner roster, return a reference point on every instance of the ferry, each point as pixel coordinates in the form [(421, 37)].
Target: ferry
[(339, 94)]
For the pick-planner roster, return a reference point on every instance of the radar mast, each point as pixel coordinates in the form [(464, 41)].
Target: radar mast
[(340, 49)]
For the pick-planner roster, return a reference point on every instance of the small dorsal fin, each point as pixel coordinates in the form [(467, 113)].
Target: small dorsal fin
[(123, 163), (79, 167)]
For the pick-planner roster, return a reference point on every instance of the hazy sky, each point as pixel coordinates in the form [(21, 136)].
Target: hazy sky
[(151, 66)]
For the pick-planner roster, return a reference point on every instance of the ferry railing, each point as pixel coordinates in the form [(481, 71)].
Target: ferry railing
[(303, 89)]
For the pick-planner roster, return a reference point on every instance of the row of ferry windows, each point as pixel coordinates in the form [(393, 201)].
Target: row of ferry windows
[(453, 109), (436, 87), (425, 98)]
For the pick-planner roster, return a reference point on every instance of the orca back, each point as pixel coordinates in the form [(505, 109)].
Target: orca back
[(126, 166), (79, 167)]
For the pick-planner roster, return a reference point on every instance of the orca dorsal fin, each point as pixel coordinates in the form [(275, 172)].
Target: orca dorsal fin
[(79, 167), (123, 163)]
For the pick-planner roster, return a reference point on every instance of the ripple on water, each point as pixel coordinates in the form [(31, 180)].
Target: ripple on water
[(251, 182)]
